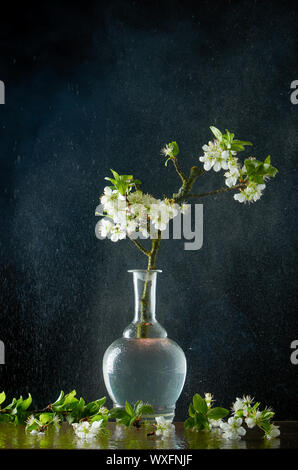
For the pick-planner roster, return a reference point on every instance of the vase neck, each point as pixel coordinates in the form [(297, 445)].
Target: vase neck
[(144, 324), (145, 295)]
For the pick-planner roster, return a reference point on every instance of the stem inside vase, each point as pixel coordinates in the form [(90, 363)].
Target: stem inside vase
[(145, 300)]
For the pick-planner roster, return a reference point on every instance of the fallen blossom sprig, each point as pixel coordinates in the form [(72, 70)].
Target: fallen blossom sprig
[(249, 411), (87, 418), (245, 414), (67, 408)]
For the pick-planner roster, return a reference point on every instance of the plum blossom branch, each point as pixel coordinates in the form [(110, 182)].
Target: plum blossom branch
[(127, 210)]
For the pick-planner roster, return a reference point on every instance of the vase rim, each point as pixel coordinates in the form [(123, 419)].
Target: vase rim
[(144, 271)]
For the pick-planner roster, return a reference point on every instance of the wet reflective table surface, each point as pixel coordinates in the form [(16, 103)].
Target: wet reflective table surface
[(12, 437)]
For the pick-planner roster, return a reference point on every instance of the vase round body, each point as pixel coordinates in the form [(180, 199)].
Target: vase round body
[(144, 364)]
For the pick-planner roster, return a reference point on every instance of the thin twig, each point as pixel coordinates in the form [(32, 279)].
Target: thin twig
[(179, 172), (211, 193)]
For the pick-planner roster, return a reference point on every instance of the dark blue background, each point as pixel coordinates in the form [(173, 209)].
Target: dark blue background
[(91, 86)]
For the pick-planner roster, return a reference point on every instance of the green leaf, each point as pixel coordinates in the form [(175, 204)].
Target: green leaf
[(175, 149), (111, 180), (69, 397), (60, 399), (200, 404), (91, 408), (26, 403), (189, 423), (145, 409), (268, 160), (101, 401), (216, 132), (115, 174), (5, 418), (242, 142), (128, 409), (191, 410), (217, 413), (229, 136), (117, 413), (257, 170), (2, 397), (126, 420), (265, 426), (45, 418), (137, 406), (126, 177), (237, 147), (201, 421)]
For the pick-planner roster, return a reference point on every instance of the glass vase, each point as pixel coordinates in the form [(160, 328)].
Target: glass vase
[(144, 364)]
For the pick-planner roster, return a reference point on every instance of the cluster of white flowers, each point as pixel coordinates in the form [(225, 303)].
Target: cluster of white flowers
[(39, 427), (242, 404), (252, 416), (251, 193), (164, 428), (126, 215), (216, 158), (233, 429), (86, 430)]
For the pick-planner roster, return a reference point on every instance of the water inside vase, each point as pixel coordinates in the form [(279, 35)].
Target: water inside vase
[(150, 369)]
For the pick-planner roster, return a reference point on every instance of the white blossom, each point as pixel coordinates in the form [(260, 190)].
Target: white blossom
[(164, 428), (110, 197), (167, 150), (232, 429), (184, 208), (85, 430), (252, 418), (215, 423), (117, 234), (214, 157), (208, 399), (273, 432), (238, 404), (232, 176), (30, 420), (104, 227), (251, 193)]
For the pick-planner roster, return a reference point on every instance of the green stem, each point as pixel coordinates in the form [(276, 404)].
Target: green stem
[(142, 329), (187, 184)]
